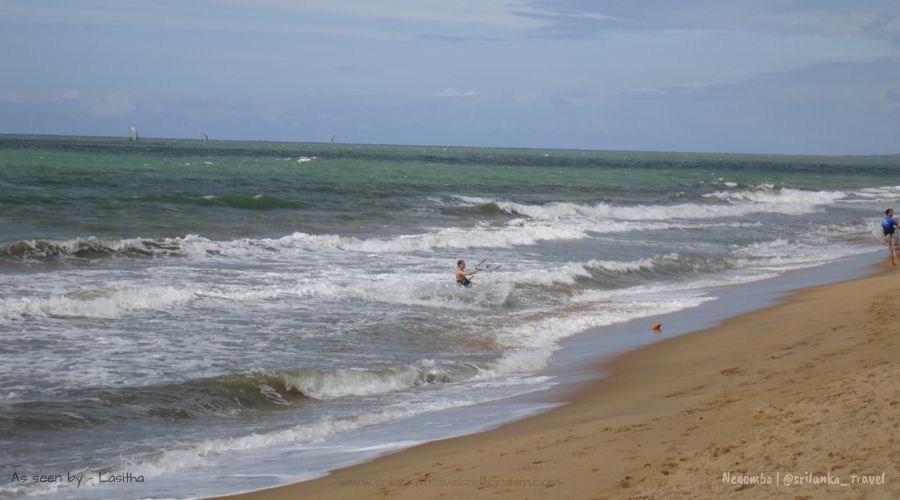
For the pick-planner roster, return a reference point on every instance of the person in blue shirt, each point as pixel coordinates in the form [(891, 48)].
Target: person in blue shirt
[(889, 226)]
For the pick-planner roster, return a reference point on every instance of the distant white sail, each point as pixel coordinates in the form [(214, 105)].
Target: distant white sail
[(333, 137), (204, 137), (134, 135)]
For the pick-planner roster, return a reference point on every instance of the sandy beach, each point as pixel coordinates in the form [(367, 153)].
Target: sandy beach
[(799, 400)]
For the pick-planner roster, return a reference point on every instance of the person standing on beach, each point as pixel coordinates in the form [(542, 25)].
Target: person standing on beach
[(889, 226), (462, 276)]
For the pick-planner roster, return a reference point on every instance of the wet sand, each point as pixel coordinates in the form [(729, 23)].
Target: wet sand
[(804, 395)]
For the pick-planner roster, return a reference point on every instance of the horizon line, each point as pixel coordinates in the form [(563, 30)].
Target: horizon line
[(327, 143)]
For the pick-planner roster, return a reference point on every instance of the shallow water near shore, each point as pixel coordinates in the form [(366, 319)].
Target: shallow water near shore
[(572, 368), (184, 311)]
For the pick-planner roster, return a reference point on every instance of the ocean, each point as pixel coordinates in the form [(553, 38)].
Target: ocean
[(190, 311)]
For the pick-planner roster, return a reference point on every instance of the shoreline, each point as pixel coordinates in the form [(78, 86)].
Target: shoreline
[(656, 398)]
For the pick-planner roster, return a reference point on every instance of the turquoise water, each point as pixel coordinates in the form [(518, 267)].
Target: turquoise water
[(69, 187), (174, 306)]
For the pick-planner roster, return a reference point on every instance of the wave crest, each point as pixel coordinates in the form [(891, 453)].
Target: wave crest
[(110, 302), (253, 391)]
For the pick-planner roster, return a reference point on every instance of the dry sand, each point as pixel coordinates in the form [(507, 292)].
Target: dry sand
[(791, 393)]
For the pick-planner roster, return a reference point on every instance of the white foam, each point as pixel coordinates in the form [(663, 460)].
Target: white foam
[(516, 232), (878, 194), (738, 203), (205, 452), (531, 344), (343, 383), (108, 302), (481, 236), (780, 196), (781, 255), (635, 265), (849, 232), (433, 289), (414, 289), (567, 273)]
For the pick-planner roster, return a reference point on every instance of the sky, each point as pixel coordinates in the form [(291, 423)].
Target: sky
[(745, 76)]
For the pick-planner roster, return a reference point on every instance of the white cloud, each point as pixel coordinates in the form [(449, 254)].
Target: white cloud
[(33, 97), (879, 22), (115, 104), (15, 97), (67, 94), (499, 13), (386, 19), (452, 92), (579, 19), (892, 95), (274, 115)]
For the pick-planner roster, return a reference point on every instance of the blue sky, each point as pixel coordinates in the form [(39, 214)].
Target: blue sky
[(767, 76)]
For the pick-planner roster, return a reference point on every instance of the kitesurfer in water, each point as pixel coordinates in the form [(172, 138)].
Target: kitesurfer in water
[(462, 276)]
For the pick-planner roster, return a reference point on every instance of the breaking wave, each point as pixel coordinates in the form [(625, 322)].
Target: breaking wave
[(108, 302), (532, 224), (736, 203), (89, 248), (254, 391)]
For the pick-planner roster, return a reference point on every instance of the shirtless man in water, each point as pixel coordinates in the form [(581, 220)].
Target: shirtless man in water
[(462, 276)]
